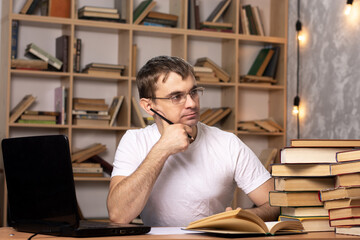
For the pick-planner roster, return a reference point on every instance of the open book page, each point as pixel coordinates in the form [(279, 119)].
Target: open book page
[(293, 226)]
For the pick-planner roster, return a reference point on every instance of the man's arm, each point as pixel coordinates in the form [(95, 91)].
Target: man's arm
[(128, 195), (260, 196)]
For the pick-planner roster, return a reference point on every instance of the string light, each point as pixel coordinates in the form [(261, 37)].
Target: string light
[(348, 6), (296, 106)]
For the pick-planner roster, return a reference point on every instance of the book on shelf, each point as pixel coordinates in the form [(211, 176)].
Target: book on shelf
[(304, 211), (90, 106), (223, 114), (219, 25), (100, 15), (250, 19), (263, 125), (61, 103), (257, 79), (258, 22), (216, 112), (193, 14), (270, 70), (91, 122), (294, 199), (241, 221), (342, 203), (303, 183), (77, 55), (142, 10), (97, 9), (114, 108), (355, 230), (89, 100), (14, 38), (345, 167), (311, 223), (348, 155), (62, 51), (40, 113), (339, 193), (28, 121), (347, 180), (219, 72), (92, 116), (159, 22), (171, 18), (261, 61), (244, 22), (107, 167), (218, 11), (88, 112), (30, 6), (84, 169), (308, 155), (29, 64), (136, 116), (88, 174), (108, 66), (38, 117), (325, 143), (59, 8), (340, 213), (301, 170), (24, 104), (87, 152), (32, 50)]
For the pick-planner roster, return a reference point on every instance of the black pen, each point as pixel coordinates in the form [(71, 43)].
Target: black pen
[(168, 121)]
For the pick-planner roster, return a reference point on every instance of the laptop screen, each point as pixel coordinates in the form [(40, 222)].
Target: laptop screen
[(40, 184)]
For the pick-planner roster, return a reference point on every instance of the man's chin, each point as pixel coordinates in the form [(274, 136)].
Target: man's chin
[(191, 122)]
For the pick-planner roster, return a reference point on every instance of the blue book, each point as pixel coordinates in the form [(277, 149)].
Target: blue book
[(14, 38)]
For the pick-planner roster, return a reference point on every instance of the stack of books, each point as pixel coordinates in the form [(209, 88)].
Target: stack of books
[(104, 69), (20, 107), (205, 74), (29, 64), (263, 125), (212, 21), (90, 111), (304, 171), (142, 10), (250, 21), (160, 19), (99, 14), (263, 69), (39, 117), (87, 170), (219, 72), (211, 116), (34, 51), (343, 200)]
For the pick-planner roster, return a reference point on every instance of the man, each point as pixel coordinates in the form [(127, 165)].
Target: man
[(163, 174)]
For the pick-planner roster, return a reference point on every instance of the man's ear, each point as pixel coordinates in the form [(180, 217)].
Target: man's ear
[(145, 103)]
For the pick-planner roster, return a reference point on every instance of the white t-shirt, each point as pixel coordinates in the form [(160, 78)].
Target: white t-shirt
[(195, 183)]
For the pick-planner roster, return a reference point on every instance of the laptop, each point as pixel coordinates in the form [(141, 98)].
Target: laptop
[(41, 190)]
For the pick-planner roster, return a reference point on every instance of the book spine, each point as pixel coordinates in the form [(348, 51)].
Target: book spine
[(77, 56), (33, 7), (14, 38)]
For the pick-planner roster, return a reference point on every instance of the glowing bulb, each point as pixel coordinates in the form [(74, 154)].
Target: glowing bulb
[(295, 110), (301, 37), (348, 9)]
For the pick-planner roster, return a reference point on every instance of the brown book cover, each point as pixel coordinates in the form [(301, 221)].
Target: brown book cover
[(221, 116), (89, 100), (90, 106), (294, 199), (59, 8), (62, 51), (21, 107), (86, 153), (301, 170), (160, 15)]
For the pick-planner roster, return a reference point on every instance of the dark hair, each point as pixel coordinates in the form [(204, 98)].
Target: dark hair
[(149, 74)]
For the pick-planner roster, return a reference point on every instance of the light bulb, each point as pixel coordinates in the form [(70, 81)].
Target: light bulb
[(348, 9), (295, 110), (301, 37)]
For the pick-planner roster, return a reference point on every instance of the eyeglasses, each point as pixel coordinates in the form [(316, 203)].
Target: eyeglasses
[(180, 98)]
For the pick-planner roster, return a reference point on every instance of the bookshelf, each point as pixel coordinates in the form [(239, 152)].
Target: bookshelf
[(111, 42)]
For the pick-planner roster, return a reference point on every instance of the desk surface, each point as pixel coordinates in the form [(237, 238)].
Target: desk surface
[(7, 233)]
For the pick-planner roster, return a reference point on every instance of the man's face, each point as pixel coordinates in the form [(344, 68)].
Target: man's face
[(186, 113)]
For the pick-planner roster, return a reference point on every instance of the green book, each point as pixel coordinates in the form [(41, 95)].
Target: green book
[(258, 61), (37, 121), (140, 8), (42, 54)]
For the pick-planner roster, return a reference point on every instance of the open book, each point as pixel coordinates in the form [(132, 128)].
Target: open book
[(241, 221)]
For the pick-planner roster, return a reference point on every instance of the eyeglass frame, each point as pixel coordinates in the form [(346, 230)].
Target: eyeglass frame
[(183, 95)]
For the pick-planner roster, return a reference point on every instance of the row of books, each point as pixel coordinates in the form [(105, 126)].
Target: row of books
[(212, 116), (53, 8), (312, 168), (207, 70), (250, 21), (263, 68), (94, 111), (86, 162), (262, 125)]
